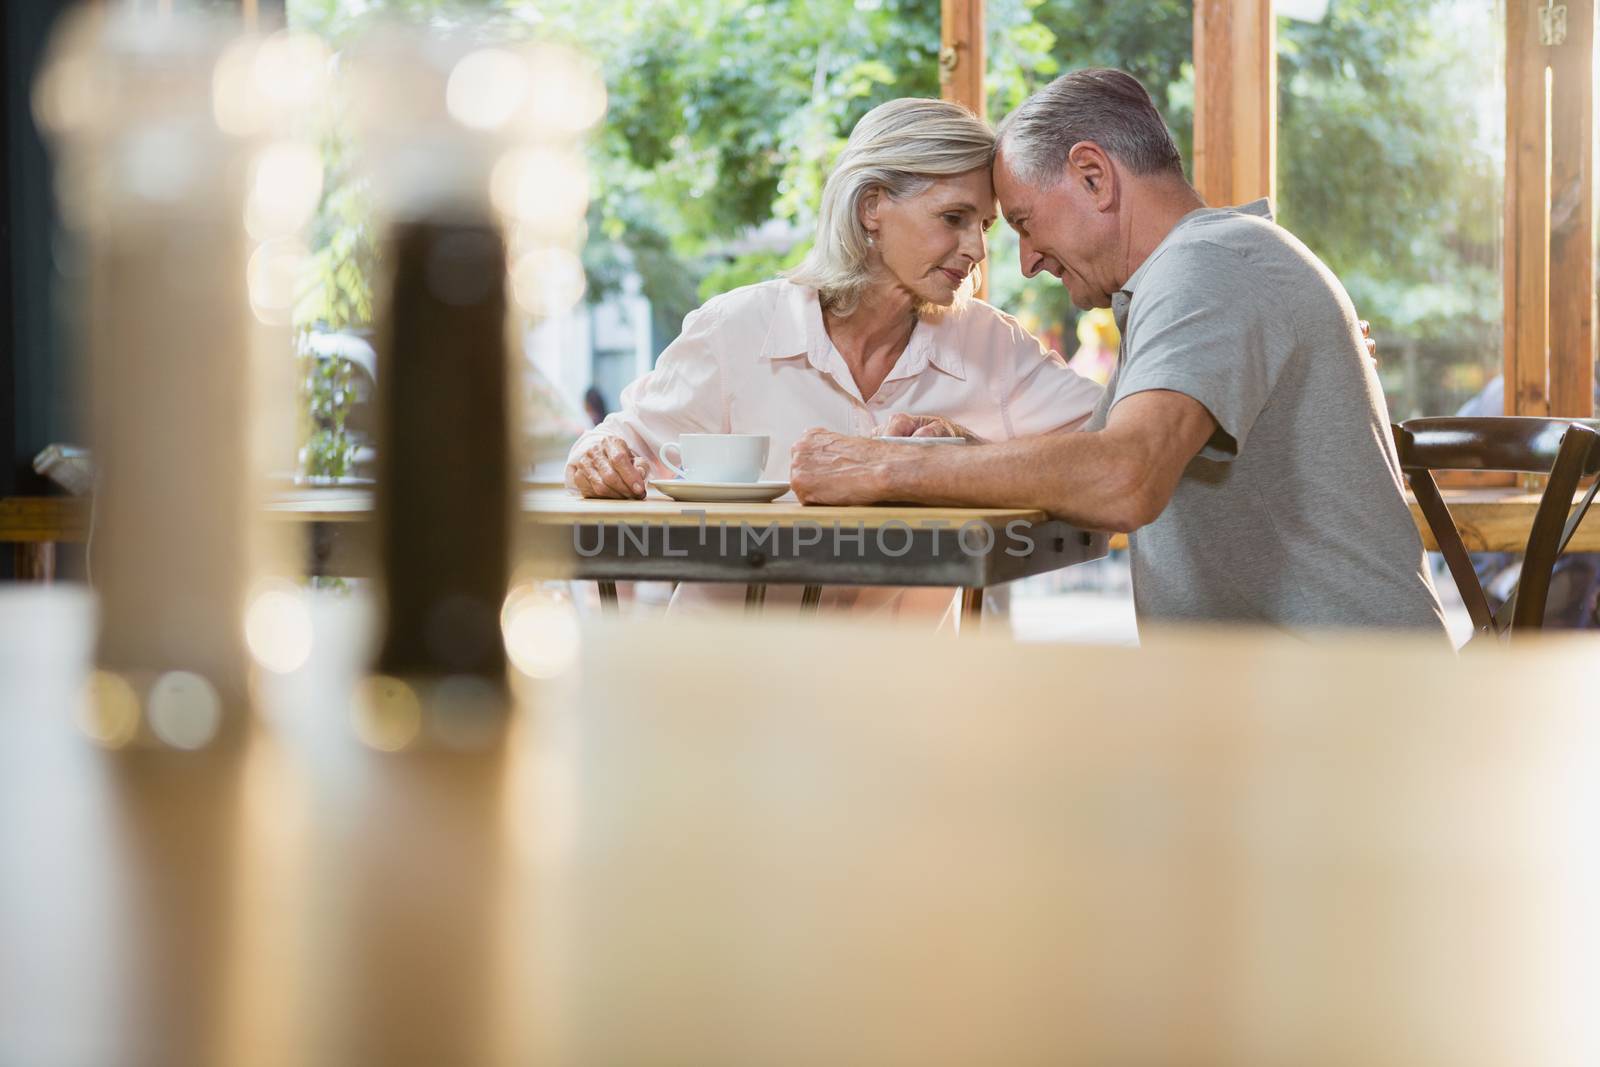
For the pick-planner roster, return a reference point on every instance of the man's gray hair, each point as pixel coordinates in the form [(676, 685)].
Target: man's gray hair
[(898, 148), (1108, 107)]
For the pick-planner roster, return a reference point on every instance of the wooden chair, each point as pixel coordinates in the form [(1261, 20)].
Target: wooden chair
[(1568, 450)]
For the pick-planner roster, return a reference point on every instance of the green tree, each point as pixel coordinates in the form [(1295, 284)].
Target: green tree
[(725, 115)]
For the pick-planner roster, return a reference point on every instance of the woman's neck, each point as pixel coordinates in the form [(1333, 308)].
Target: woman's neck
[(872, 337)]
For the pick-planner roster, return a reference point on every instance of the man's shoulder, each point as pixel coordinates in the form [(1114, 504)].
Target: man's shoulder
[(1236, 240), (1240, 259), (1224, 239)]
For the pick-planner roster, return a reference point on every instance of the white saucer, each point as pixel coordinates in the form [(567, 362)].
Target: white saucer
[(925, 440), (720, 492)]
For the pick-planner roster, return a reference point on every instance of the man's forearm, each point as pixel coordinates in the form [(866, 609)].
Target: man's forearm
[(1084, 478)]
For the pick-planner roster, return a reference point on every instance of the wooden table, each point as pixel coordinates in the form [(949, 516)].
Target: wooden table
[(779, 543), (1491, 520), (782, 543)]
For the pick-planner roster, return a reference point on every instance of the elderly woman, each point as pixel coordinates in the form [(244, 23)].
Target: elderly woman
[(877, 321)]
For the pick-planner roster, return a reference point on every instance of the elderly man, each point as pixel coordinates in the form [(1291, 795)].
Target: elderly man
[(1242, 442)]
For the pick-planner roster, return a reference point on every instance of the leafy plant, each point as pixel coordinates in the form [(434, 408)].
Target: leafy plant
[(335, 295)]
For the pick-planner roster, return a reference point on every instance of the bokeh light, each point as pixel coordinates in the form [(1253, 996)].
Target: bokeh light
[(541, 632), (487, 88), (277, 629), (386, 713), (258, 85), (547, 280), (566, 94), (291, 71), (544, 188), (274, 275), (185, 710), (109, 714), (285, 185)]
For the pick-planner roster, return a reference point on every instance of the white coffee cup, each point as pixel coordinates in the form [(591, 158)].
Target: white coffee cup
[(718, 457)]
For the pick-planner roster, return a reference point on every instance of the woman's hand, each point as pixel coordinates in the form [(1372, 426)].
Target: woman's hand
[(903, 425), (609, 468)]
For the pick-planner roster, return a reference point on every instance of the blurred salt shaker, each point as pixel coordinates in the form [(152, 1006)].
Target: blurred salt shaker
[(176, 175)]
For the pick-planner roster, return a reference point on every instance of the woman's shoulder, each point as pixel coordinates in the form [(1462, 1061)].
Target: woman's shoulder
[(760, 298)]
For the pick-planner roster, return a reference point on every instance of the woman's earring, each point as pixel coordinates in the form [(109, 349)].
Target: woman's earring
[(870, 240)]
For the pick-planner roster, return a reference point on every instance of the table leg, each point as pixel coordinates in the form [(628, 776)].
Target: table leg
[(608, 597), (971, 609), (754, 597), (810, 597), (34, 561)]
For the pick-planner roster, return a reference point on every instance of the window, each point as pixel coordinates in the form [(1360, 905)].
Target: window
[(1391, 163)]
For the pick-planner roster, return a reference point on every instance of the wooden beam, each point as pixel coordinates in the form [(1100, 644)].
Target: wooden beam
[(1572, 215), (961, 67), (961, 54), (1235, 106), (1527, 226)]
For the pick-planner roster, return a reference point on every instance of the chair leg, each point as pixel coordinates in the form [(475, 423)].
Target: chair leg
[(1448, 538), (754, 597), (1545, 539), (608, 597), (810, 597)]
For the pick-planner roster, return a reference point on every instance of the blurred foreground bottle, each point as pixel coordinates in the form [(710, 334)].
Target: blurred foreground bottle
[(475, 160), (183, 193)]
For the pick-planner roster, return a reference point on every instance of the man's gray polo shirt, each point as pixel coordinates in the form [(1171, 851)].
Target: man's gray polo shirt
[(1292, 515)]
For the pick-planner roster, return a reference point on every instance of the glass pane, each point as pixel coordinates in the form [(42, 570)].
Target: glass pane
[(1031, 43), (1391, 163)]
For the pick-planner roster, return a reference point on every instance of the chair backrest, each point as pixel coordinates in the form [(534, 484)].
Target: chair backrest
[(1510, 443), (1568, 450)]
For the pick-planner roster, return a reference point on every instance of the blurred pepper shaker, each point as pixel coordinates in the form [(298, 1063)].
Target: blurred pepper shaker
[(445, 478), (474, 159), (169, 141)]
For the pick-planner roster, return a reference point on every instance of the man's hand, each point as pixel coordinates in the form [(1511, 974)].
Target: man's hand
[(1118, 478), (1366, 339), (830, 468), (903, 425), (608, 468)]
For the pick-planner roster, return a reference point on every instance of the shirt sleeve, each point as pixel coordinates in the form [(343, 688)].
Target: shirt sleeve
[(1204, 326), (683, 394), (1043, 394)]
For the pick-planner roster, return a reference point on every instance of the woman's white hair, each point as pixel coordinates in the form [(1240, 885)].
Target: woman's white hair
[(899, 148)]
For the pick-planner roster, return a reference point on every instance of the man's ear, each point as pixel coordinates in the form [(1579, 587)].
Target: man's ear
[(1090, 168)]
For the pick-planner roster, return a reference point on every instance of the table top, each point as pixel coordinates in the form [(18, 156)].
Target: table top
[(1491, 520), (657, 539), (1361, 851), (553, 506)]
